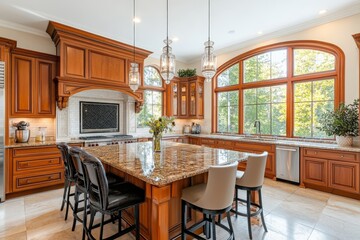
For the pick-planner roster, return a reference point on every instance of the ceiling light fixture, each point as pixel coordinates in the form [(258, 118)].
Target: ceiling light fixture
[(208, 61), (136, 20), (322, 11), (134, 75), (167, 59)]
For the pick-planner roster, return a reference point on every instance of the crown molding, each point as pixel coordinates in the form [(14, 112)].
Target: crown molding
[(23, 28)]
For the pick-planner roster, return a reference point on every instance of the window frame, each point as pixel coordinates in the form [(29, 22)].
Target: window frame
[(337, 74), (161, 89)]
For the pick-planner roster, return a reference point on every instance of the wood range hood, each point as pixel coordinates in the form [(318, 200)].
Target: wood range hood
[(88, 61)]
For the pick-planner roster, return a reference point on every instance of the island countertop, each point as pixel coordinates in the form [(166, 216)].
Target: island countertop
[(176, 161)]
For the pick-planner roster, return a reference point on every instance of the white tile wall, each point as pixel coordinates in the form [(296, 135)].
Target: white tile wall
[(68, 119)]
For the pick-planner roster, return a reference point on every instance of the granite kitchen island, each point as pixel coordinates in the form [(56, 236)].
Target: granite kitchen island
[(163, 175)]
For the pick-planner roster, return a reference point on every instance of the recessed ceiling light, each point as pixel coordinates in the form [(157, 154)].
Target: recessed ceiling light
[(259, 32), (175, 39), (322, 11), (137, 20), (231, 31)]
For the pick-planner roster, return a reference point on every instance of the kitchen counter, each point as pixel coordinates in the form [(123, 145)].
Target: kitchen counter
[(176, 161), (323, 144), (35, 144)]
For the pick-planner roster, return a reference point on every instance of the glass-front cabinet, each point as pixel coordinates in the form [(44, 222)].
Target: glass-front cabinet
[(186, 98)]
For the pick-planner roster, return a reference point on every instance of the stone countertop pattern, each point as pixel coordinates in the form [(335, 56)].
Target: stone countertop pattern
[(37, 144), (322, 144), (176, 161)]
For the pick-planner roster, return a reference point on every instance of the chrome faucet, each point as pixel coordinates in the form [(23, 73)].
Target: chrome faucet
[(257, 125)]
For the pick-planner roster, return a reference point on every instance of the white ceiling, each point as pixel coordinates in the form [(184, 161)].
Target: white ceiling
[(188, 19)]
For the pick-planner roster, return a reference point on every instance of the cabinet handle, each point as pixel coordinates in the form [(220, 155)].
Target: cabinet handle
[(315, 153), (342, 156)]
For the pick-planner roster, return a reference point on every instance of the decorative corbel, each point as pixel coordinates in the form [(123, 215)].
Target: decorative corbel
[(138, 106)]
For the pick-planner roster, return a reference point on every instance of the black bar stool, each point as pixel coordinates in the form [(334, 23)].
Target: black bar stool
[(212, 199), (251, 180), (70, 177), (110, 199), (81, 187)]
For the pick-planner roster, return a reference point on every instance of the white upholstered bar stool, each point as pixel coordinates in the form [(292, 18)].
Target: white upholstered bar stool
[(251, 180), (211, 199)]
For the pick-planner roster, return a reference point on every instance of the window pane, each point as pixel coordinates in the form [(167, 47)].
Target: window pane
[(266, 66), (268, 105), (312, 61), (229, 77), (311, 100), (152, 107), (152, 77), (249, 119), (228, 111)]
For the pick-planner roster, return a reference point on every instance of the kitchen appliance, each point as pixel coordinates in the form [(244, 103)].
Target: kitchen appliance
[(186, 129), (195, 128), (22, 134), (287, 163), (2, 131), (92, 141)]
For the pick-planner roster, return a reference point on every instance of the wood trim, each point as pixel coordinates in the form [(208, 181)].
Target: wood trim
[(33, 54), (357, 41), (338, 74)]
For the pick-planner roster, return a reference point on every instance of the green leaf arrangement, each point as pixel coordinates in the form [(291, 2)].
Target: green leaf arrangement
[(160, 125), (186, 72), (343, 121)]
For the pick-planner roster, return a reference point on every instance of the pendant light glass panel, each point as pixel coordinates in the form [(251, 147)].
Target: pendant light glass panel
[(167, 63), (134, 76), (208, 61)]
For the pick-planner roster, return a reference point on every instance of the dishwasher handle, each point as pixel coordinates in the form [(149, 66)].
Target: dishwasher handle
[(286, 149)]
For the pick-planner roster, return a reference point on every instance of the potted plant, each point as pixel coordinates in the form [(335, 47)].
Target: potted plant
[(157, 127), (342, 122), (186, 72)]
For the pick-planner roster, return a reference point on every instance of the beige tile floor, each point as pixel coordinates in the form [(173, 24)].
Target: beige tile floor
[(291, 213)]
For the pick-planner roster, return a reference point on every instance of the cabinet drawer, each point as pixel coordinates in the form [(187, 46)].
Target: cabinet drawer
[(334, 155), (21, 183), (253, 147), (36, 164), (208, 141), (225, 144), (31, 151)]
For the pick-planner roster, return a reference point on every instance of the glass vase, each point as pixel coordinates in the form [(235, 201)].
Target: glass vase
[(157, 143)]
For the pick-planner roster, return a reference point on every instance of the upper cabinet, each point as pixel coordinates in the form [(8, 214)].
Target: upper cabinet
[(186, 99), (32, 86)]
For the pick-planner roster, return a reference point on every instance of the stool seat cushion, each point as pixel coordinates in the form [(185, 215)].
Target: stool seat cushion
[(113, 179), (194, 193), (124, 195)]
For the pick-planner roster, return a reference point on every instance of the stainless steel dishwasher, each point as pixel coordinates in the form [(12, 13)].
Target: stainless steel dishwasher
[(287, 163)]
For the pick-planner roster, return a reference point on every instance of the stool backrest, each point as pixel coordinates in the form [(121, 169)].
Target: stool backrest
[(255, 171), (70, 171), (78, 164), (219, 192), (98, 185)]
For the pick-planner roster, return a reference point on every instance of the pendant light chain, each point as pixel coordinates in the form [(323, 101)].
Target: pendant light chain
[(134, 27), (209, 9)]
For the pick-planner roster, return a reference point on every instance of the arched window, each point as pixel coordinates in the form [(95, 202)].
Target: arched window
[(286, 86), (153, 96)]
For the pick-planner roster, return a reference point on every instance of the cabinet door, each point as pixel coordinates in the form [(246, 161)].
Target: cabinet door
[(315, 171), (200, 100), (22, 86), (192, 99), (344, 176), (174, 99), (183, 99), (45, 72)]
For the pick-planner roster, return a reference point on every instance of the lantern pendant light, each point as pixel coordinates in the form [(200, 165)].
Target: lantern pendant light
[(208, 60), (134, 75), (167, 59)]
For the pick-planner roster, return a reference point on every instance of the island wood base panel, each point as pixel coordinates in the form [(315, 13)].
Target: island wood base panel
[(160, 215)]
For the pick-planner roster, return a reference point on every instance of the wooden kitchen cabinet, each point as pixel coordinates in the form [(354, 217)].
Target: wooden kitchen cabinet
[(331, 171), (186, 98), (32, 86), (34, 167)]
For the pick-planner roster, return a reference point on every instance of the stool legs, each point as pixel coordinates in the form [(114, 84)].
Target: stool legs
[(230, 224), (137, 224), (67, 200), (248, 209), (64, 195), (262, 211), (213, 220), (183, 219)]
